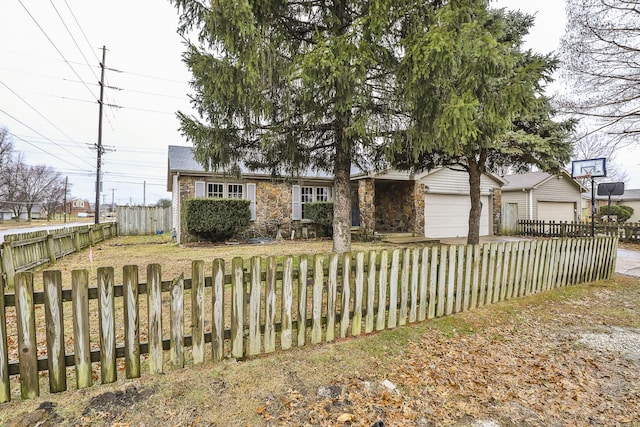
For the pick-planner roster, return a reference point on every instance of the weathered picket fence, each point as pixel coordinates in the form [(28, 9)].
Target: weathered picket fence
[(26, 251), (256, 306), (627, 232)]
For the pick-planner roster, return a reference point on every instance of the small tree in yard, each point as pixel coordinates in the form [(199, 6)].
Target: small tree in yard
[(475, 98)]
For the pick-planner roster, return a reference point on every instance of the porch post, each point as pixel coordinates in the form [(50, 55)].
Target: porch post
[(367, 205)]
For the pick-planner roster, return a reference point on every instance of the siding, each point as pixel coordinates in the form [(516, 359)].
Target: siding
[(447, 181), (556, 190), (552, 190)]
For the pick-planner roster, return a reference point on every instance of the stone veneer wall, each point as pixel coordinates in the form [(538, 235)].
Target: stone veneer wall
[(497, 210), (418, 205), (273, 209), (366, 203), (395, 206)]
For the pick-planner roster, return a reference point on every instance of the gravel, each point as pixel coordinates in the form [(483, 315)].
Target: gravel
[(624, 341)]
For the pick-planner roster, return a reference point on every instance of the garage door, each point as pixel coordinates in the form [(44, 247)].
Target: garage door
[(447, 215), (556, 211)]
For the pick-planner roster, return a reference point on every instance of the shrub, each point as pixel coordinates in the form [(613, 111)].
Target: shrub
[(621, 212), (321, 214), (217, 219)]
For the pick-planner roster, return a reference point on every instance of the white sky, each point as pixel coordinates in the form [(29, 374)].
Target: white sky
[(142, 43)]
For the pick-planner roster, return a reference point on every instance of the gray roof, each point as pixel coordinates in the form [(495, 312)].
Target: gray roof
[(181, 159), (531, 180), (525, 181)]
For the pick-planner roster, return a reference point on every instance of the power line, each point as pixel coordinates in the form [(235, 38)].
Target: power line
[(95, 55), (33, 145), (73, 38), (32, 129), (145, 75), (44, 117)]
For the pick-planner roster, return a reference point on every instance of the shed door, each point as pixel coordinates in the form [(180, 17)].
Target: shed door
[(556, 211), (447, 215)]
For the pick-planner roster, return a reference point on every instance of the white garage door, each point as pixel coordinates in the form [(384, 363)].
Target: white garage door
[(556, 211), (447, 215)]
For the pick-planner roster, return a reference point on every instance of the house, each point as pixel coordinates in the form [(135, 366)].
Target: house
[(630, 198), (432, 204), (542, 196), (78, 207)]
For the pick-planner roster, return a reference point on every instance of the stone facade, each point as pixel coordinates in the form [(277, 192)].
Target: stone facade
[(497, 210), (395, 206), (273, 210), (366, 203), (418, 206)]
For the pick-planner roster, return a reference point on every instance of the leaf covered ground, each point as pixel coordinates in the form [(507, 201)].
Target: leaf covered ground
[(566, 357)]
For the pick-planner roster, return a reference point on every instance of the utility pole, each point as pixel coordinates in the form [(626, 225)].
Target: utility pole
[(64, 206), (112, 193), (99, 148), (144, 193)]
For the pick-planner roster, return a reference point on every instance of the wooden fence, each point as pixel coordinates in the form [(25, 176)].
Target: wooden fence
[(259, 305), (25, 251), (627, 232), (143, 220)]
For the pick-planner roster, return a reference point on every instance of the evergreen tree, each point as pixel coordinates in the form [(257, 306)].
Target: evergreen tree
[(288, 86), (475, 97)]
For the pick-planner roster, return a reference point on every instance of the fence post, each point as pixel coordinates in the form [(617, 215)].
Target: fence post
[(197, 312), (7, 265), (154, 301), (51, 248), (131, 321), (27, 345), (5, 388), (52, 281), (80, 307), (106, 313)]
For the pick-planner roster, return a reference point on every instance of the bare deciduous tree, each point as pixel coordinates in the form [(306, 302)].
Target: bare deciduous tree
[(601, 60)]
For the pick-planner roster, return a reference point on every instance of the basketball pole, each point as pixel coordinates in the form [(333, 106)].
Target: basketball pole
[(593, 208)]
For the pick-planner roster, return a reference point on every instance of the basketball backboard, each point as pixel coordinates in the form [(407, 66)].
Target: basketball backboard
[(591, 168)]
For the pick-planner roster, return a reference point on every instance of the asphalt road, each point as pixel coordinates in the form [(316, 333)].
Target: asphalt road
[(39, 228)]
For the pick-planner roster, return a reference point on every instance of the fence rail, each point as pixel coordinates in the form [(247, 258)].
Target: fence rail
[(627, 232), (25, 251), (258, 305)]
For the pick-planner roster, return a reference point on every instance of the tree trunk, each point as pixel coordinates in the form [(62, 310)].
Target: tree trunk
[(342, 197), (475, 172)]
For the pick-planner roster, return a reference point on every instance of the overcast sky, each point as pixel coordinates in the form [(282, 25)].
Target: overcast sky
[(48, 88)]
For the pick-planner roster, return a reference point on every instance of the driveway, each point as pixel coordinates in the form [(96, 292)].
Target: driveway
[(628, 262)]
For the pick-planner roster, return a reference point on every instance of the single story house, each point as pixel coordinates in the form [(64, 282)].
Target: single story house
[(432, 204), (630, 198), (542, 196)]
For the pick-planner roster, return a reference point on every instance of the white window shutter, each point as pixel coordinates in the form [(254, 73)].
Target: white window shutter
[(296, 205), (251, 196), (200, 189)]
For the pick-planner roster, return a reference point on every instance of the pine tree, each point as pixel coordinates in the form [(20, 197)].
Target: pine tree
[(288, 86), (475, 97)]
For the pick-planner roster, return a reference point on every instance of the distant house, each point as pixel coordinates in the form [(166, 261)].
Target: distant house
[(432, 204), (78, 207), (543, 196), (630, 198)]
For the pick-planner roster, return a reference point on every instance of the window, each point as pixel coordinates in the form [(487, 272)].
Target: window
[(234, 191), (215, 190), (78, 203), (313, 194)]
